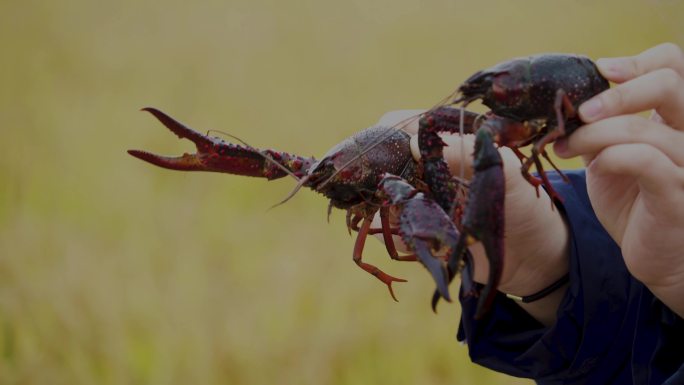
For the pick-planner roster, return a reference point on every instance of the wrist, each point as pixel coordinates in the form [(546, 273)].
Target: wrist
[(547, 279), (542, 262)]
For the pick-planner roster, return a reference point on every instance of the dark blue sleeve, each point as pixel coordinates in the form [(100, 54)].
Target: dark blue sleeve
[(609, 328)]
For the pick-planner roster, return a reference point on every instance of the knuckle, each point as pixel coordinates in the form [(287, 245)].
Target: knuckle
[(650, 157), (615, 99), (635, 127), (636, 67), (604, 161), (669, 75), (670, 81), (673, 51)]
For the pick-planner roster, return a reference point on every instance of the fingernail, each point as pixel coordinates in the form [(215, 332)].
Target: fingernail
[(612, 67), (591, 109)]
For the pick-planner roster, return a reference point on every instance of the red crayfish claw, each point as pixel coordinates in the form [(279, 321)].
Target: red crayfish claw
[(215, 154), (186, 162)]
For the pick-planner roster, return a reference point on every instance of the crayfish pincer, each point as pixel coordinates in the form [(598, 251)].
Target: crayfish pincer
[(423, 227), (349, 175)]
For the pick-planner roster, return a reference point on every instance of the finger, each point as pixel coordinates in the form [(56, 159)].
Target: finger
[(593, 138), (407, 119), (621, 69), (662, 90), (655, 172)]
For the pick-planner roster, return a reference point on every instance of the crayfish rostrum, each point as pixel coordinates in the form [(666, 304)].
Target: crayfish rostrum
[(533, 100)]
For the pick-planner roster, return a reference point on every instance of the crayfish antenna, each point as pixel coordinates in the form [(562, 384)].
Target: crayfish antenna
[(294, 191)]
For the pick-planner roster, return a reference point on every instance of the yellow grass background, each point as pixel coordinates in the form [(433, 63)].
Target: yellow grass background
[(116, 272)]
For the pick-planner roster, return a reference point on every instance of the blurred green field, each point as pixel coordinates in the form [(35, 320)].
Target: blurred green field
[(116, 272)]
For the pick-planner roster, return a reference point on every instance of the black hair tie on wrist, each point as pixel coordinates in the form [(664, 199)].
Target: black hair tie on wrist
[(543, 292)]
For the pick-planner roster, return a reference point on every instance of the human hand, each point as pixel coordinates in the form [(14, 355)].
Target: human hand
[(536, 236), (635, 165)]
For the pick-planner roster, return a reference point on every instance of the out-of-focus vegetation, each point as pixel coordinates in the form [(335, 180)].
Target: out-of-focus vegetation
[(116, 272)]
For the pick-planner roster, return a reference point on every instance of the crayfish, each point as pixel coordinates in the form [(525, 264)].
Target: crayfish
[(368, 173), (532, 101)]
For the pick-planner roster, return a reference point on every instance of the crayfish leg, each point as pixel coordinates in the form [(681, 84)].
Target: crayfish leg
[(374, 271), (564, 110), (387, 236), (386, 233), (353, 221), (548, 159), (543, 179), (563, 103), (534, 181), (519, 154), (353, 224)]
